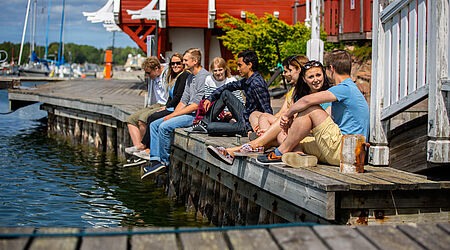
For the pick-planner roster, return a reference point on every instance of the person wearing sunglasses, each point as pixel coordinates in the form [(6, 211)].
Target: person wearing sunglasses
[(183, 115), (175, 79), (349, 116), (305, 85)]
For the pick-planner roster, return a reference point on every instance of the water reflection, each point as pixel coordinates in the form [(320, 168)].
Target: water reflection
[(46, 182)]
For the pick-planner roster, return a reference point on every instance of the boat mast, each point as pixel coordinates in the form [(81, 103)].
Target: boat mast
[(48, 25), (24, 30), (34, 27), (61, 57)]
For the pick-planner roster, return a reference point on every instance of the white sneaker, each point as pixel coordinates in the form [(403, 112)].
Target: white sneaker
[(142, 154), (131, 150)]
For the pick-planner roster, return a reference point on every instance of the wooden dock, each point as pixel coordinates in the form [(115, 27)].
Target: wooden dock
[(245, 193), (406, 236)]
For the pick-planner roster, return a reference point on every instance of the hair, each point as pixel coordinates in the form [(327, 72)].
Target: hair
[(295, 60), (341, 61), (171, 75), (302, 89), (150, 63), (220, 62), (195, 53), (250, 56), (286, 60)]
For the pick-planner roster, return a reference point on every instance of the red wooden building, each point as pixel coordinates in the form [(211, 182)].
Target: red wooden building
[(178, 25)]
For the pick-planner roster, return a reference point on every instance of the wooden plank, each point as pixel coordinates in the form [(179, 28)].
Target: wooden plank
[(377, 183), (202, 240), (422, 42), (388, 237), (445, 227), (251, 239), (333, 236), (404, 176), (153, 241), (404, 34), (353, 183), (62, 243), (15, 243), (297, 238), (412, 49), (428, 235), (395, 59), (395, 199), (104, 242), (401, 183), (387, 63)]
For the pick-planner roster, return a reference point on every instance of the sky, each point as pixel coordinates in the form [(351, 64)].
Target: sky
[(76, 27)]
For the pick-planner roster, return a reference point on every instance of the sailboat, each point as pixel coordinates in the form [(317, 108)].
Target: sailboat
[(36, 66)]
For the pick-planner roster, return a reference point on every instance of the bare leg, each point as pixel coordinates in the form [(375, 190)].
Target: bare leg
[(302, 125), (265, 121), (135, 135), (267, 139), (142, 127), (253, 119)]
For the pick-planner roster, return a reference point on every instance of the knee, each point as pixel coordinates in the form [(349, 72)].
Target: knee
[(164, 128)]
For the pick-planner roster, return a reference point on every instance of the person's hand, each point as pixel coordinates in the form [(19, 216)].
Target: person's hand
[(260, 132), (285, 122), (168, 117), (228, 115), (162, 108), (206, 105)]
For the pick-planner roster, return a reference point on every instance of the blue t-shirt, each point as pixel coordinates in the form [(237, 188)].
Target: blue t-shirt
[(325, 105), (171, 96), (350, 112)]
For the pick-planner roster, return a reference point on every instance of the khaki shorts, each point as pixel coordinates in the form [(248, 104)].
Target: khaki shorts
[(143, 114), (326, 143)]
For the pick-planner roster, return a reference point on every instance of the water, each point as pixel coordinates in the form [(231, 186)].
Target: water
[(46, 182)]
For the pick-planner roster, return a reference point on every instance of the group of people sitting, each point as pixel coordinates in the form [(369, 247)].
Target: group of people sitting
[(323, 105)]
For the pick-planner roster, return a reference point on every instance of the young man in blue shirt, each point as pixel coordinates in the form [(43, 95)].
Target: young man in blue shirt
[(349, 116)]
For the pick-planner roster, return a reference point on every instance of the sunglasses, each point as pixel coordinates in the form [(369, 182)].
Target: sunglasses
[(311, 64), (295, 59), (175, 63)]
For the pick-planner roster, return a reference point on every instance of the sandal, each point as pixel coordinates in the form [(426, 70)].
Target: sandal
[(247, 150), (221, 154)]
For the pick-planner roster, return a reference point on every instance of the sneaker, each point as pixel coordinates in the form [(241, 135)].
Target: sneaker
[(151, 169), (142, 154), (134, 161), (131, 150), (221, 154), (297, 160), (198, 128), (270, 158)]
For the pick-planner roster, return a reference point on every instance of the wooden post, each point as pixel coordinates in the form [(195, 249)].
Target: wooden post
[(209, 204), (91, 134), (379, 151), (99, 141), (111, 139), (438, 147), (120, 146), (242, 211), (264, 216), (77, 131), (85, 133), (252, 213), (352, 154)]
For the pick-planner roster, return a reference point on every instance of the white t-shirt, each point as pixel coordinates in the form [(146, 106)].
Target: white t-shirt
[(212, 84)]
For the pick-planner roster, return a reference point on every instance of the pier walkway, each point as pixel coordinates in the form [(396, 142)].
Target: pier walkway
[(407, 236), (93, 112)]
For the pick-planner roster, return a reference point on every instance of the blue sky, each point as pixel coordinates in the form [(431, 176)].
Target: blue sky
[(76, 28)]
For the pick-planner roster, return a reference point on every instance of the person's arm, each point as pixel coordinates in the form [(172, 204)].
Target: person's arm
[(231, 86), (182, 109), (180, 84), (310, 100)]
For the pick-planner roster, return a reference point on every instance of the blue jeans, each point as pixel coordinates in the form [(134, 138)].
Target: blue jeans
[(160, 135)]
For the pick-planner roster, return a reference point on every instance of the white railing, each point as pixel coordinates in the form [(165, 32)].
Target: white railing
[(410, 61), (404, 24)]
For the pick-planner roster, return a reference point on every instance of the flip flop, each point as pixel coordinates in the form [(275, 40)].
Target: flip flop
[(248, 150), (221, 154)]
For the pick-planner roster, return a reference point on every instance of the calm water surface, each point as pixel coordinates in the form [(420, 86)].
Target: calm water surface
[(46, 182)]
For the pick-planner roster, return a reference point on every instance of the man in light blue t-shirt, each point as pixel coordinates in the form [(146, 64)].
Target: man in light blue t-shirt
[(349, 116)]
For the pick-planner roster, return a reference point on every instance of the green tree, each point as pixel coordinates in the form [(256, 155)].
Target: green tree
[(259, 34)]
